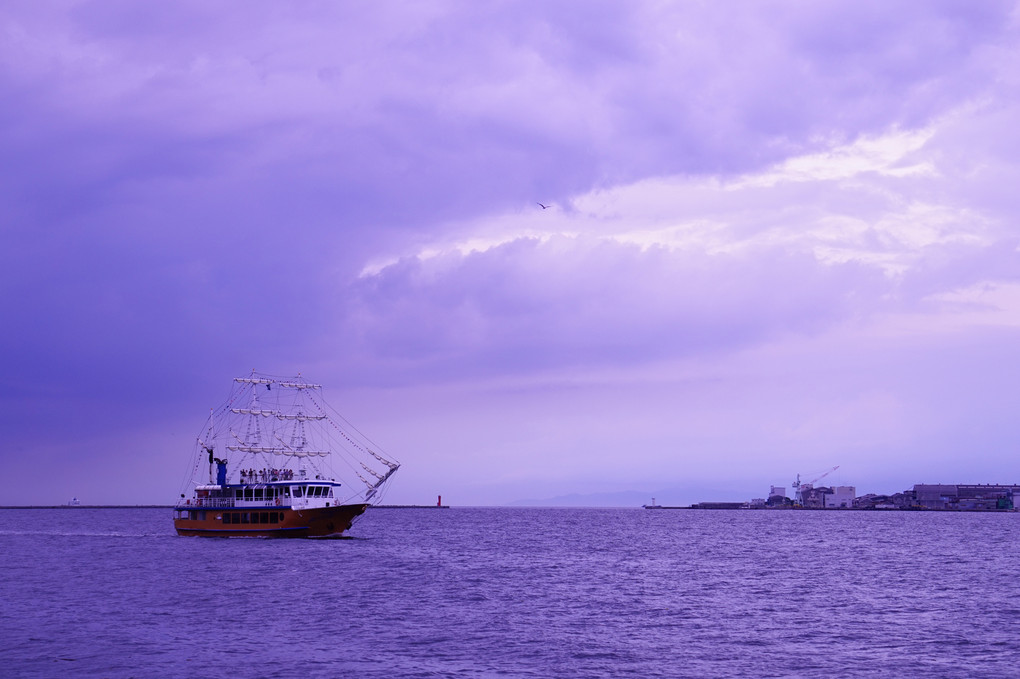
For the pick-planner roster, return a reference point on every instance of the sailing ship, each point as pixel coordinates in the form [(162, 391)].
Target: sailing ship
[(266, 465)]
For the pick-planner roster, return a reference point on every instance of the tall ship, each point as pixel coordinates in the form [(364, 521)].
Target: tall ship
[(275, 460)]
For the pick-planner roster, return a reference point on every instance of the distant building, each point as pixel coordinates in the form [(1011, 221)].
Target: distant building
[(811, 497), (866, 501), (719, 505), (841, 497), (777, 491), (904, 500), (935, 496), (966, 497), (874, 501)]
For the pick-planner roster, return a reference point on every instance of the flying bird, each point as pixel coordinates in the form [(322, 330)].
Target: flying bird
[(544, 207)]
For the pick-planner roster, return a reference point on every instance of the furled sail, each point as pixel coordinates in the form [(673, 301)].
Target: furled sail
[(273, 423), (273, 413)]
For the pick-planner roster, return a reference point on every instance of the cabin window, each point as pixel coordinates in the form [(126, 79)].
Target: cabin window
[(286, 491), (317, 491), (226, 517), (239, 494), (235, 517), (274, 517), (264, 517), (297, 491), (248, 493), (329, 493), (258, 493)]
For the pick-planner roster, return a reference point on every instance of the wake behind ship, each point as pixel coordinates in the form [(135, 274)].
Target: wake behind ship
[(264, 466)]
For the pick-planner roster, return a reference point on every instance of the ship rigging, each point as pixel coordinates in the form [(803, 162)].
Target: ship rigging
[(276, 449)]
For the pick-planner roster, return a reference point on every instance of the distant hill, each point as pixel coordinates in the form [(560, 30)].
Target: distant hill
[(681, 496), (626, 498)]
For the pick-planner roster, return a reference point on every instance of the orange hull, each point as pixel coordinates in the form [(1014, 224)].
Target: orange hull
[(266, 522)]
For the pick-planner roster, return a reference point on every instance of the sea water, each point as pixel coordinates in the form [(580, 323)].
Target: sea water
[(511, 592)]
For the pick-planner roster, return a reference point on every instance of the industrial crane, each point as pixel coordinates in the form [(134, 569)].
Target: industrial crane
[(797, 485)]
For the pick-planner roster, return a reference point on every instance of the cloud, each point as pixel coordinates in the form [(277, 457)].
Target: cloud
[(188, 192), (676, 267), (450, 109), (531, 305)]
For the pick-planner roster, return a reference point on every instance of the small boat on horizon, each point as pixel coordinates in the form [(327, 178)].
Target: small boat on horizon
[(264, 466)]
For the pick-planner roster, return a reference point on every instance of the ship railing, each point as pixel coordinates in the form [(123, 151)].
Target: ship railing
[(208, 502), (205, 502)]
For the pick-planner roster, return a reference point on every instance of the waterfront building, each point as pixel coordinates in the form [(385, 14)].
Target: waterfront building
[(966, 497), (814, 498), (841, 497), (720, 505), (935, 496)]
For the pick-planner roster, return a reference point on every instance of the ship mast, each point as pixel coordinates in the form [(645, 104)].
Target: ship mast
[(283, 423)]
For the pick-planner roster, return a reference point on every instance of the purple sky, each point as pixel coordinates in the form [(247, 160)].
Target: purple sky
[(783, 237)]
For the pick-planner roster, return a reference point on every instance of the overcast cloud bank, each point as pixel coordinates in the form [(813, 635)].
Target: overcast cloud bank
[(780, 237)]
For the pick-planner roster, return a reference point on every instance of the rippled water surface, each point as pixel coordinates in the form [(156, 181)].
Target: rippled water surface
[(500, 592)]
